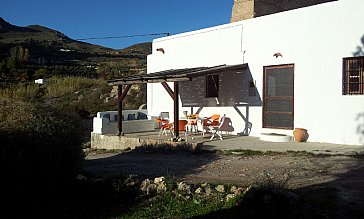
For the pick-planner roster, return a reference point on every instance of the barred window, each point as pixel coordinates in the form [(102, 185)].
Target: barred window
[(353, 76), (212, 86)]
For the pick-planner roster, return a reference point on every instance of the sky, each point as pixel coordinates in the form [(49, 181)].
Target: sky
[(80, 19)]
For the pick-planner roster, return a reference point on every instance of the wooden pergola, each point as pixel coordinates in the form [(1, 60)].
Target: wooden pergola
[(173, 75)]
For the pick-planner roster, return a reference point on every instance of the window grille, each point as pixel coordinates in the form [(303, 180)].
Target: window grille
[(353, 75)]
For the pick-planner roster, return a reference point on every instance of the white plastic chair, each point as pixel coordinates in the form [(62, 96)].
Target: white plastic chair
[(210, 122), (216, 129)]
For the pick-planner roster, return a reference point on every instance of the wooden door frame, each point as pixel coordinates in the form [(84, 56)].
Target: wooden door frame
[(265, 94)]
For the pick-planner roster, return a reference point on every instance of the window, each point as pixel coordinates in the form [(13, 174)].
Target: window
[(252, 89), (212, 86), (353, 75)]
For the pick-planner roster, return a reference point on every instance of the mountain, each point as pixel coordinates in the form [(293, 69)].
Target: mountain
[(51, 47)]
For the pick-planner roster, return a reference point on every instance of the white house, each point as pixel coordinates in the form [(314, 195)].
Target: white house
[(299, 68), (39, 81)]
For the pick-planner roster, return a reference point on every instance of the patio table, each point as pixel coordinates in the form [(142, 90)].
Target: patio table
[(189, 127)]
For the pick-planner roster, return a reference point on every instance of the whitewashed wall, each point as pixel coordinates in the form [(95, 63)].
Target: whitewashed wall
[(315, 39)]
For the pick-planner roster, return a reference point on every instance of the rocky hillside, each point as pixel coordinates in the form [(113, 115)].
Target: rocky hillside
[(33, 47), (57, 43)]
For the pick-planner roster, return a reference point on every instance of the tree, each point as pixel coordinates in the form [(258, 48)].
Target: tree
[(20, 54), (26, 57), (40, 73), (12, 61)]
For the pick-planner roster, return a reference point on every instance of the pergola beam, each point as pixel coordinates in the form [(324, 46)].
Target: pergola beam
[(145, 81), (174, 75), (169, 90)]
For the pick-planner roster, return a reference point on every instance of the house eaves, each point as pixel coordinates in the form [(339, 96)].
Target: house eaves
[(173, 75)]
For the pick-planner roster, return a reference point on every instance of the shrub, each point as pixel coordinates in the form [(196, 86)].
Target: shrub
[(38, 144)]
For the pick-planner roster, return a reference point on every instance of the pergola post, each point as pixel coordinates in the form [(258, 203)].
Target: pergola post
[(120, 110), (176, 109), (121, 96)]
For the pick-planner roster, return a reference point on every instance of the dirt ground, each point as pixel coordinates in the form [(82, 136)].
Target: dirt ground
[(343, 174)]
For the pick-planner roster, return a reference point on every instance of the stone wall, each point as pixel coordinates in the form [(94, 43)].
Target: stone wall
[(245, 9)]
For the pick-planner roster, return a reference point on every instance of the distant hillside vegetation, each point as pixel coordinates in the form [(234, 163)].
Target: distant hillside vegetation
[(141, 49), (35, 51)]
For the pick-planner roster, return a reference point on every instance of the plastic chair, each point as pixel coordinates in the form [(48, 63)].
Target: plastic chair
[(191, 126), (192, 122), (217, 129), (164, 115), (208, 122), (164, 126)]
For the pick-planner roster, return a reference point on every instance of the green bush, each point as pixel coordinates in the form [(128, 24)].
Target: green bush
[(38, 144)]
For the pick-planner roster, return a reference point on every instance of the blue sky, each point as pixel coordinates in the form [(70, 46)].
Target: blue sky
[(83, 19)]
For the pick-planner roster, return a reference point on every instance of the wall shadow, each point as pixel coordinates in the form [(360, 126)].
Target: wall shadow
[(360, 127), (237, 89), (360, 117), (227, 125), (359, 49)]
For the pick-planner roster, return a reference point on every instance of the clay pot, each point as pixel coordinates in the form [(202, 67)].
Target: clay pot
[(300, 134)]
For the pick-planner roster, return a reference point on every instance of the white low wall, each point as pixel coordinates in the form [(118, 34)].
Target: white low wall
[(112, 142), (133, 121)]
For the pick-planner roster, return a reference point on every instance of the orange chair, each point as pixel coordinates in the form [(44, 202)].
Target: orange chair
[(164, 126), (182, 124), (212, 120), (208, 122)]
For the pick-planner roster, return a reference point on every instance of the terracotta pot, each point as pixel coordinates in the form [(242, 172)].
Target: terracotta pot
[(300, 134)]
